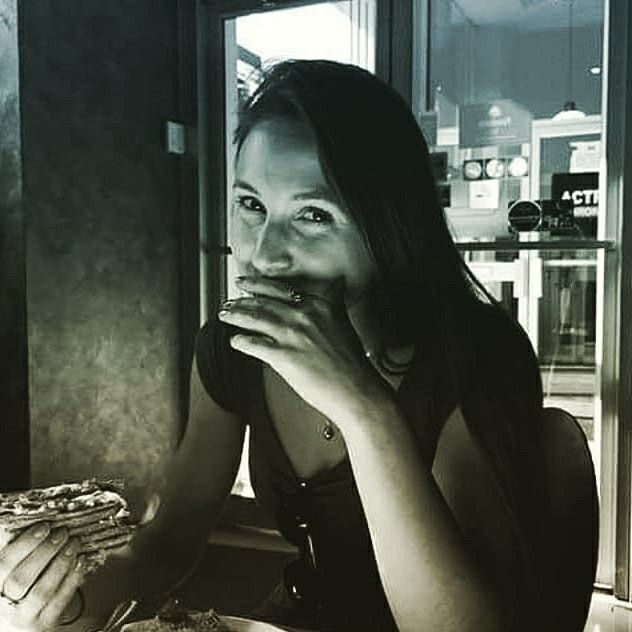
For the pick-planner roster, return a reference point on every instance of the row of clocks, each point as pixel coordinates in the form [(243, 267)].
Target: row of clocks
[(482, 169)]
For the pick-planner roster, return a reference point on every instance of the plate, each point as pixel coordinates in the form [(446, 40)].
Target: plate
[(237, 624)]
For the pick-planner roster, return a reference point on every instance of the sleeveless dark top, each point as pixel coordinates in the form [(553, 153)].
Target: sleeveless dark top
[(353, 597)]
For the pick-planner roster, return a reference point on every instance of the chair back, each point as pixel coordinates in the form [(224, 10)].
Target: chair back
[(573, 529)]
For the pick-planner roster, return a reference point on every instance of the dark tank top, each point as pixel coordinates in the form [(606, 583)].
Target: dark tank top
[(352, 594)]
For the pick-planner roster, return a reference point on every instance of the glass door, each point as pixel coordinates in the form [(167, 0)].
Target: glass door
[(509, 96), (342, 31)]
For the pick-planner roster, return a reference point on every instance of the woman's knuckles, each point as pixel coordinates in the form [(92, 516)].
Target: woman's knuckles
[(47, 621), (57, 537), (39, 531), (69, 551)]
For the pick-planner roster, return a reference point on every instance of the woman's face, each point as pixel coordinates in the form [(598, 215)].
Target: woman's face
[(286, 221)]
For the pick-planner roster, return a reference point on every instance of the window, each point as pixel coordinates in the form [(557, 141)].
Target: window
[(509, 96)]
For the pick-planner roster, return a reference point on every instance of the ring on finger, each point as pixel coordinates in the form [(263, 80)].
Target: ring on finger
[(295, 295)]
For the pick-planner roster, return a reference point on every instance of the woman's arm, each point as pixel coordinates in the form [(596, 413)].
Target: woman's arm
[(192, 491), (430, 571), (417, 523), (164, 552)]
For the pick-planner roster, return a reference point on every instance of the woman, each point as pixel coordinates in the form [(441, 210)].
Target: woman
[(394, 409)]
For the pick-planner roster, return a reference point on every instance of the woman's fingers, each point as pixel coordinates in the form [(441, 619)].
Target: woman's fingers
[(56, 605), (25, 573), (50, 595), (273, 288), (263, 317), (268, 323), (20, 548), (295, 292), (48, 583), (257, 346)]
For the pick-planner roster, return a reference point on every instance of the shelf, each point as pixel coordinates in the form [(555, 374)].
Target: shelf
[(549, 245)]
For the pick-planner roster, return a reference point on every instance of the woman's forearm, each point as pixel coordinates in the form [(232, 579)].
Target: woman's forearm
[(429, 575), (154, 569)]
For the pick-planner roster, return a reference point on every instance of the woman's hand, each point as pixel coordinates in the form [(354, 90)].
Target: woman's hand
[(308, 340), (39, 575)]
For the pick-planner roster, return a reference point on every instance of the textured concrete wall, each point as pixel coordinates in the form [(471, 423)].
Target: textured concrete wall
[(14, 467), (99, 79)]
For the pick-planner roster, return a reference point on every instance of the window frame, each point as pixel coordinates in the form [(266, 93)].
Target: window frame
[(617, 383)]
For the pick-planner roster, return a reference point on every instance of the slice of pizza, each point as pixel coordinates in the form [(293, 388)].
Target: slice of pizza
[(94, 511)]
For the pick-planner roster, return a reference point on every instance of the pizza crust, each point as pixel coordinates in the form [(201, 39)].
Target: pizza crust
[(94, 511)]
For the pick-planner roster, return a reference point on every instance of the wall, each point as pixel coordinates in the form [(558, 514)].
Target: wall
[(98, 81), (14, 431)]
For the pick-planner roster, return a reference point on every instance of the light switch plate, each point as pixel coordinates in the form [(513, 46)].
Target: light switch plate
[(176, 138)]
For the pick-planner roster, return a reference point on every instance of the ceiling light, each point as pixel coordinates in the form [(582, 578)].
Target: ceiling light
[(569, 111)]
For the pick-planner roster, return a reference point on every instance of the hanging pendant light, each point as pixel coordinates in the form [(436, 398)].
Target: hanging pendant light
[(569, 111)]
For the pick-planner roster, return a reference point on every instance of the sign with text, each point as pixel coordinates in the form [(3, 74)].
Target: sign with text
[(498, 122), (582, 190)]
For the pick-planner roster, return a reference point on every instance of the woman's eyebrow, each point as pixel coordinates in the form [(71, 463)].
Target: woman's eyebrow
[(241, 184), (318, 193)]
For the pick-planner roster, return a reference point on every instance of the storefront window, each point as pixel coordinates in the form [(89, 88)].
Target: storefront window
[(509, 97), (562, 285), (496, 74)]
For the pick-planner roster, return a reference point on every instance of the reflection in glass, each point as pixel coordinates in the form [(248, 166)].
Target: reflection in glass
[(563, 327), (497, 75)]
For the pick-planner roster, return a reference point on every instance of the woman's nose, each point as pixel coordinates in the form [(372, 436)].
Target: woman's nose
[(271, 255)]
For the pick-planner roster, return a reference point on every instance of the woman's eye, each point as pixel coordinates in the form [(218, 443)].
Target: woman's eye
[(316, 215), (249, 203)]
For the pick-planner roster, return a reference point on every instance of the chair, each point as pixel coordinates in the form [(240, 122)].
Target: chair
[(574, 520)]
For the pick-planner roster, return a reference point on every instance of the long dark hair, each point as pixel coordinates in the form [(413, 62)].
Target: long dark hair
[(375, 157)]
